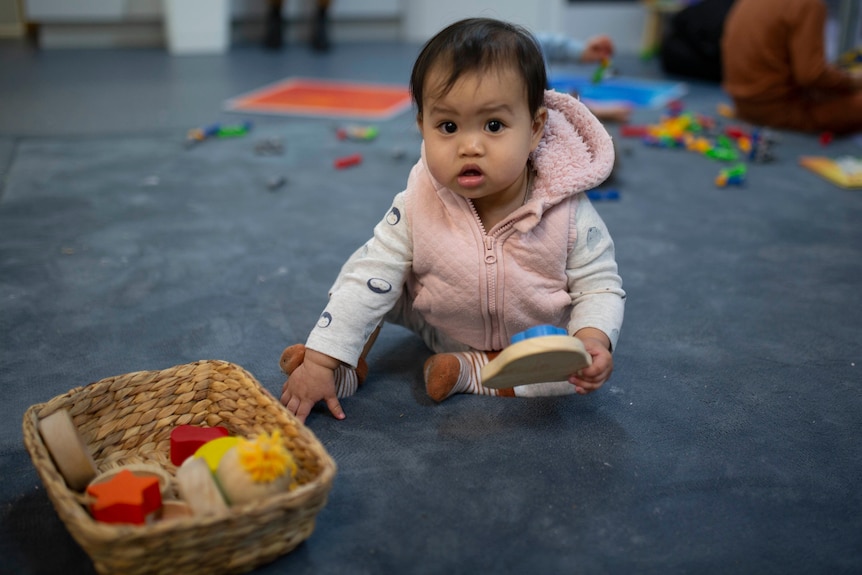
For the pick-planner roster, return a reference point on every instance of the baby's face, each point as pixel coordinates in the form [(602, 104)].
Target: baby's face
[(479, 134)]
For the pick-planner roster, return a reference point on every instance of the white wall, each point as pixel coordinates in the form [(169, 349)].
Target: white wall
[(410, 20), (423, 18), (116, 10), (622, 21)]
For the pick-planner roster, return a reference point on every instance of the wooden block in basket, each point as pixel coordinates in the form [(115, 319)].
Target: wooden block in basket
[(129, 418)]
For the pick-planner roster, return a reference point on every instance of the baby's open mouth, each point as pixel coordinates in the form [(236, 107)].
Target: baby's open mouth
[(470, 177)]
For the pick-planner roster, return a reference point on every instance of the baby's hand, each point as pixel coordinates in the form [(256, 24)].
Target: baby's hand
[(312, 381), (593, 377)]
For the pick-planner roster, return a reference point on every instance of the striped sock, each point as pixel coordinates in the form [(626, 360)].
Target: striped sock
[(449, 373), (347, 379)]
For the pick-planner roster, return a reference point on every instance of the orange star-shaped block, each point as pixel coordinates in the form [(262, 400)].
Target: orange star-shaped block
[(125, 498)]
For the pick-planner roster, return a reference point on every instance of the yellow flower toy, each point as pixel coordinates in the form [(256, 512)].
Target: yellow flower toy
[(256, 468)]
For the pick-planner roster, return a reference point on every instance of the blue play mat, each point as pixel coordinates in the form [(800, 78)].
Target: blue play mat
[(636, 92)]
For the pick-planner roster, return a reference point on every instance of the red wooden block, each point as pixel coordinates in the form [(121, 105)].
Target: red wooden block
[(186, 439), (125, 498)]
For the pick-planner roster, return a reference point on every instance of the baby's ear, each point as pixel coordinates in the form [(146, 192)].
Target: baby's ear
[(539, 121), (419, 121)]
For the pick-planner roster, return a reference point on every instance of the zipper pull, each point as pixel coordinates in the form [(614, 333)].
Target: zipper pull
[(490, 257)]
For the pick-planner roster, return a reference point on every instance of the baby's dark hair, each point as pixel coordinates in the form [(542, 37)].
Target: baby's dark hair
[(479, 45)]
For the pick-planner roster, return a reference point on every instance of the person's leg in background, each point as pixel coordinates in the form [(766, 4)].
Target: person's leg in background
[(273, 38), (838, 114), (320, 31), (274, 34)]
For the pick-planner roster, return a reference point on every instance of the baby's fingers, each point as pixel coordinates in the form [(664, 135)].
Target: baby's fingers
[(335, 407)]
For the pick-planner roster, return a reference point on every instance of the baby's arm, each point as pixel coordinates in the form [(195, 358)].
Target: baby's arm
[(368, 286), (598, 300)]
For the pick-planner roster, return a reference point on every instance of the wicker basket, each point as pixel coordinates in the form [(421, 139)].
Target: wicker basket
[(129, 418)]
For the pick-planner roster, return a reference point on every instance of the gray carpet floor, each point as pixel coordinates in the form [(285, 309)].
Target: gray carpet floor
[(727, 441)]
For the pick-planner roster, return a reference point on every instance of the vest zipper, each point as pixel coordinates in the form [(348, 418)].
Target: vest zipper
[(490, 243), (491, 276)]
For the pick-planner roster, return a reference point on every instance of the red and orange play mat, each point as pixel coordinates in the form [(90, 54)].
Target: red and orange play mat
[(324, 98)]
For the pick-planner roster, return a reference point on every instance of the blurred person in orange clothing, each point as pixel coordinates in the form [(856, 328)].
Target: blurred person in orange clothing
[(775, 68)]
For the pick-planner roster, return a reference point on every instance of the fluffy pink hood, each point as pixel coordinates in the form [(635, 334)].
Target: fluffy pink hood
[(575, 154)]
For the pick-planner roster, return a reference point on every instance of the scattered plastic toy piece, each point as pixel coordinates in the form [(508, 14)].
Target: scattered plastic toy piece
[(357, 133), (851, 59), (603, 195), (733, 176), (675, 108), (725, 110), (197, 135), (633, 131), (826, 138), (736, 132), (269, 147), (722, 153), (602, 70), (348, 161), (761, 147), (275, 183)]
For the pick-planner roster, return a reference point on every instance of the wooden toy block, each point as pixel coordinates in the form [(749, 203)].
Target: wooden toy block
[(125, 498), (213, 451), (197, 487), (536, 359), (174, 510), (144, 470), (67, 449), (187, 439)]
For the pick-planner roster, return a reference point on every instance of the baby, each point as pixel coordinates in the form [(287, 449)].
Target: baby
[(491, 236)]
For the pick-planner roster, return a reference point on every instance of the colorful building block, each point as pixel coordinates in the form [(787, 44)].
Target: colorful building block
[(213, 451), (603, 195), (357, 133), (125, 498), (348, 161), (187, 439), (734, 176)]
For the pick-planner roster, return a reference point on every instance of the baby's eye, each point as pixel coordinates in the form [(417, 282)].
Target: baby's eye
[(494, 126), (448, 127)]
